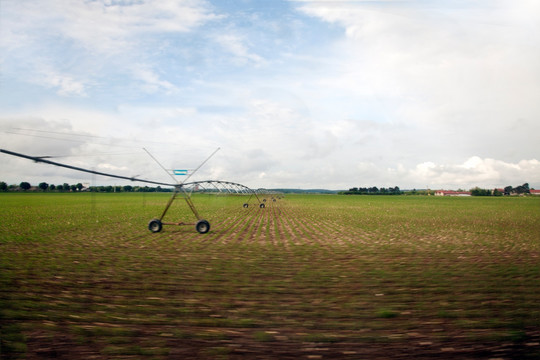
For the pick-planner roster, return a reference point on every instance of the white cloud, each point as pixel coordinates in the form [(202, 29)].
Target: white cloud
[(441, 80), (152, 82), (111, 168), (237, 46), (475, 171), (111, 26), (452, 67), (64, 84), (70, 45)]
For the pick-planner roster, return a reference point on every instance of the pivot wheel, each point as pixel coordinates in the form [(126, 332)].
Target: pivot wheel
[(246, 205), (202, 226), (262, 206), (155, 225)]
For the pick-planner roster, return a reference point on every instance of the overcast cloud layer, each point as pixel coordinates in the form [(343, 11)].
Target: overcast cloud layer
[(308, 94)]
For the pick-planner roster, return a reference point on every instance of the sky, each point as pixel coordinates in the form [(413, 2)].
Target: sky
[(294, 93)]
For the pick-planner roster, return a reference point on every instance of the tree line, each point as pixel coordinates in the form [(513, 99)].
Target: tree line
[(65, 187), (79, 187), (508, 190), (373, 191)]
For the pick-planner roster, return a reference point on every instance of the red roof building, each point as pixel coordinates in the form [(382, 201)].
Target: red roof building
[(452, 193)]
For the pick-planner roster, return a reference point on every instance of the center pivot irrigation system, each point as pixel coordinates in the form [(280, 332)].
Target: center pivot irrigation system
[(183, 189)]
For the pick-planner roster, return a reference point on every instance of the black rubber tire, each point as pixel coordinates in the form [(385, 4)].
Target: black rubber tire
[(202, 226), (246, 205), (262, 206), (155, 225)]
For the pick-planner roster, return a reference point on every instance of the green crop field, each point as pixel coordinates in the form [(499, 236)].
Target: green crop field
[(314, 276)]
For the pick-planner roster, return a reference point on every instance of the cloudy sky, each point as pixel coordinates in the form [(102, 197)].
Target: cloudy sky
[(299, 93)]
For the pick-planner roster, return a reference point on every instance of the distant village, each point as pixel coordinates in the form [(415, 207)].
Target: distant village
[(482, 192)]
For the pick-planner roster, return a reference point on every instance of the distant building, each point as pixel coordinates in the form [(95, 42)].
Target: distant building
[(452, 193), (535, 192)]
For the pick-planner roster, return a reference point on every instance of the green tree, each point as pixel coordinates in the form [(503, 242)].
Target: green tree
[(523, 189), (3, 186), (480, 192), (43, 186), (52, 187), (25, 185), (66, 187), (79, 186)]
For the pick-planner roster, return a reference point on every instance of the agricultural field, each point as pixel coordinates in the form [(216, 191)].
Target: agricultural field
[(307, 277)]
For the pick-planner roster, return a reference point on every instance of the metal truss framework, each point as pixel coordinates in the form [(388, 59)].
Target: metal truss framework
[(219, 186), (184, 189)]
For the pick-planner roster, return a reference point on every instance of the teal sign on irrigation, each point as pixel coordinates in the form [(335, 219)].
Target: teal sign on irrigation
[(180, 172)]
